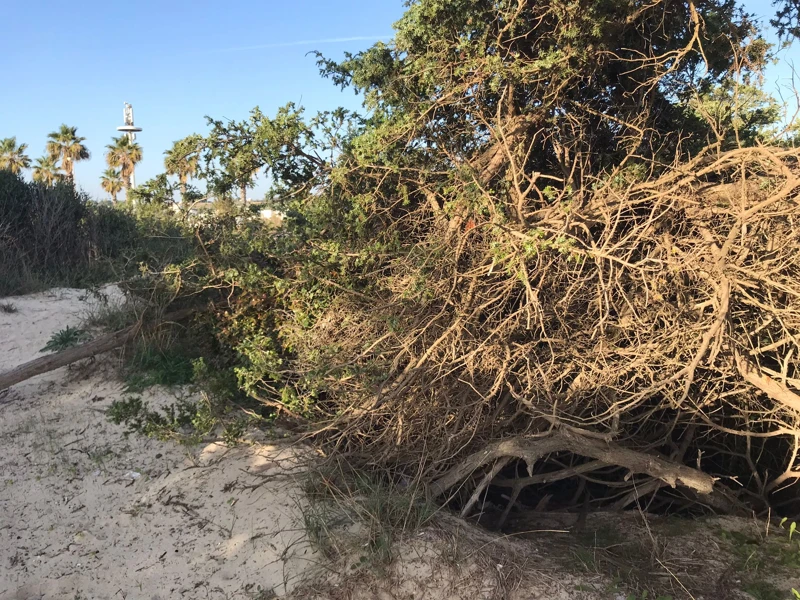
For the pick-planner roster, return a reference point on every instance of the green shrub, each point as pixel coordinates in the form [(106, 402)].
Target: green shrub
[(55, 235), (174, 421), (68, 337), (151, 365)]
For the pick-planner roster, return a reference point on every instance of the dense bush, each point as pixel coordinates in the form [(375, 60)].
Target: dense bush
[(562, 248), (557, 246), (56, 235)]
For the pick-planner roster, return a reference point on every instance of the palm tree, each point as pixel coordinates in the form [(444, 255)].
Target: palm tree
[(124, 154), (182, 159), (67, 146), (112, 182), (46, 170), (13, 157)]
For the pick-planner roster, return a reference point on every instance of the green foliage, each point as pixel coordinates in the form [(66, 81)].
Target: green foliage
[(158, 190), (68, 337), (183, 420), (152, 365), (236, 151), (738, 114), (787, 18)]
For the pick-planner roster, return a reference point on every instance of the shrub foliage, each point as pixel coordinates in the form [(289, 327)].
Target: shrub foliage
[(540, 259)]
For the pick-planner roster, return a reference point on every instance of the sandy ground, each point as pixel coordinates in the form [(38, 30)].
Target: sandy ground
[(86, 512)]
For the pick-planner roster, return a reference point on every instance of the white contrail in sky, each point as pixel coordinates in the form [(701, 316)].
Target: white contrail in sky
[(358, 38)]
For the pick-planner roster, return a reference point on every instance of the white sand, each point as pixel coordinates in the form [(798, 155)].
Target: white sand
[(86, 512)]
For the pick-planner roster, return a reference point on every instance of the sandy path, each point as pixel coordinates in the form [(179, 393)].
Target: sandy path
[(86, 512)]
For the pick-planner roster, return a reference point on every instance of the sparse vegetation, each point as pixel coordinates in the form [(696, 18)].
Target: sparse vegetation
[(112, 316), (178, 421), (359, 516), (54, 235), (8, 308), (149, 364)]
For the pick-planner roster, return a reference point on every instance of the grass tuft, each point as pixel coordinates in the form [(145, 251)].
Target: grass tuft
[(68, 337), (111, 317), (151, 365), (351, 514)]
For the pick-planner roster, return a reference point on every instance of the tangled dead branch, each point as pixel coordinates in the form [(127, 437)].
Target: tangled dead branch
[(652, 328), (541, 268)]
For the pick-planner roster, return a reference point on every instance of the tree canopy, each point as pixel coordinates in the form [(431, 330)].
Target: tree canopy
[(13, 156), (67, 146)]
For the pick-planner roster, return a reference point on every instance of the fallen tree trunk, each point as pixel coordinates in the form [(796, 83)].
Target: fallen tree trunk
[(71, 355), (531, 449)]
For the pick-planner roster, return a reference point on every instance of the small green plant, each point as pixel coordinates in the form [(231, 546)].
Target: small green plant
[(792, 526), (759, 557), (184, 420), (8, 308), (66, 338), (150, 365), (233, 431)]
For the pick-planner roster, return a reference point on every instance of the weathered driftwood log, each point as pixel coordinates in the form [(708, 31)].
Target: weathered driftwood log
[(66, 357)]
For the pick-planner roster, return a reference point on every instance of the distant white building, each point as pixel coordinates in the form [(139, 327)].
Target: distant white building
[(268, 213)]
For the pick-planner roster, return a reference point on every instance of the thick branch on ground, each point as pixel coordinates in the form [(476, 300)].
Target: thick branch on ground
[(71, 355), (532, 449)]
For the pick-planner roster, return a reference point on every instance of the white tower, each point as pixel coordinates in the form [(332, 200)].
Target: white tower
[(130, 129)]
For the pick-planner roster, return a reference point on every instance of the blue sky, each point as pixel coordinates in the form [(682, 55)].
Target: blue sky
[(179, 60), (174, 61)]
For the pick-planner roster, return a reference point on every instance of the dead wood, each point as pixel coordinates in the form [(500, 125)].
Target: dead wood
[(647, 320), (97, 346), (777, 391), (532, 449)]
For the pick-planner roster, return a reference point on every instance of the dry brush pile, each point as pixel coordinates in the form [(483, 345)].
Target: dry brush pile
[(559, 257), (645, 339)]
